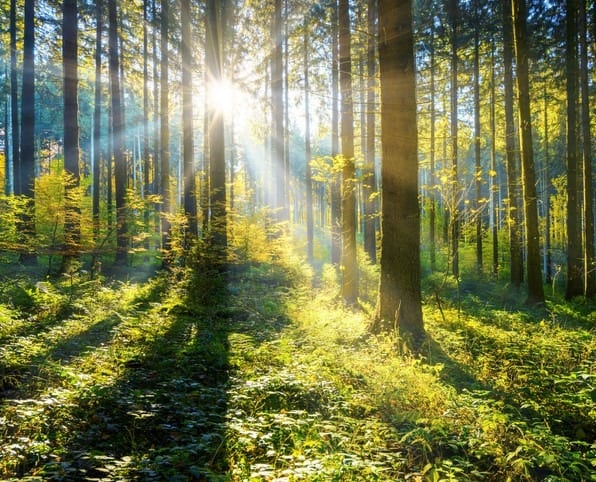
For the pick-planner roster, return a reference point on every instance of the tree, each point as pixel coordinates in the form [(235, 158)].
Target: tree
[(307, 153), (72, 229), (190, 201), (215, 133), (164, 133), (399, 301), (589, 256), (97, 118), (477, 133), (514, 220), (27, 156), (120, 167), (370, 184), (14, 97), (349, 285), (335, 185), (535, 288)]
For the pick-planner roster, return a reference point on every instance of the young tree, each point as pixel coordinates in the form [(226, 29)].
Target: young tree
[(535, 288), (120, 167), (72, 228), (349, 285), (190, 201), (399, 302)]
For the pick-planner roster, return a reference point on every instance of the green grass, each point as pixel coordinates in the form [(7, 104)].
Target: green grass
[(265, 376)]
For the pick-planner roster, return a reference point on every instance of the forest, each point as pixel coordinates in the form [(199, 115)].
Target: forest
[(283, 240)]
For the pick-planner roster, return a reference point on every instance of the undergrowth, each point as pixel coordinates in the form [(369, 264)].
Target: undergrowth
[(261, 374)]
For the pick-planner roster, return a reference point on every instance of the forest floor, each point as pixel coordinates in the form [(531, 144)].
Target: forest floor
[(265, 376)]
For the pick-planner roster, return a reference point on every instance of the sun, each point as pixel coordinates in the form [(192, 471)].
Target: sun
[(223, 97)]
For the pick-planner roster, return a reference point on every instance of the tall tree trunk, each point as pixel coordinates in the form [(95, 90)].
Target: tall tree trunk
[(146, 156), (72, 226), (97, 120), (454, 202), (14, 100), (277, 115), (349, 285), (335, 184), (477, 133), (574, 244), (165, 132), (399, 301), (494, 185), (514, 212), (120, 167), (217, 161), (190, 200), (432, 208), (307, 150), (156, 105), (589, 256), (27, 157), (546, 197), (370, 181), (535, 287)]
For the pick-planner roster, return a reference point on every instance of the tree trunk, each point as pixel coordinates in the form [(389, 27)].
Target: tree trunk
[(27, 157), (72, 226), (370, 180), (535, 287), (120, 168), (349, 285), (216, 139), (14, 100), (308, 183), (146, 156), (165, 133), (432, 208), (494, 185), (190, 200), (97, 121), (277, 115), (335, 184), (589, 257), (574, 244), (454, 201), (514, 212), (399, 303), (477, 133)]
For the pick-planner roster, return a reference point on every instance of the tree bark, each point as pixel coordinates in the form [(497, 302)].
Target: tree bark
[(454, 201), (14, 101), (164, 134), (97, 120), (477, 134), (535, 287), (72, 227), (335, 182), (307, 151), (399, 302), (349, 285), (190, 200)]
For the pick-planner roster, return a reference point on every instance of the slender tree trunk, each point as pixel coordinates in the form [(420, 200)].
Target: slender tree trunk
[(477, 134), (494, 185), (589, 256), (146, 156), (307, 150), (156, 105), (335, 183), (535, 287), (399, 303), (277, 114), (454, 202), (574, 245), (14, 100), (165, 133), (217, 161), (432, 208), (97, 121), (190, 200), (370, 181), (514, 212), (349, 286), (27, 156), (120, 167), (546, 198), (72, 226)]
